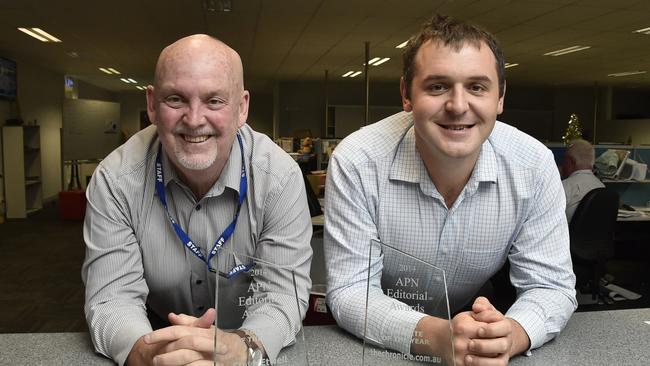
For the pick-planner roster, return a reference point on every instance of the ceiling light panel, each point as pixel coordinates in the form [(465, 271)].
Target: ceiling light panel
[(373, 60), (403, 44), (381, 61), (43, 33), (39, 34), (626, 73), (643, 31), (507, 65), (567, 50)]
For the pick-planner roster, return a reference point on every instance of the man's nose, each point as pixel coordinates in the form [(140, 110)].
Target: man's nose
[(194, 115), (457, 103)]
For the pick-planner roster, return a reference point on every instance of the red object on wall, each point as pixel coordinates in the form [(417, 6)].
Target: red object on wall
[(72, 205)]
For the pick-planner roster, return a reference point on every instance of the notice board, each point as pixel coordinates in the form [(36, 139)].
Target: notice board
[(90, 129)]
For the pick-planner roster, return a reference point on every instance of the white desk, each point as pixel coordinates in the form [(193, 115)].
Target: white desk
[(593, 338)]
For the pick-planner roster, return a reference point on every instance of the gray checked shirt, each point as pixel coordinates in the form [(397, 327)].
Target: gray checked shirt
[(134, 257)]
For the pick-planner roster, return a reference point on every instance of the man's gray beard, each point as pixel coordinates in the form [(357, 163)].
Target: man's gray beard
[(193, 164)]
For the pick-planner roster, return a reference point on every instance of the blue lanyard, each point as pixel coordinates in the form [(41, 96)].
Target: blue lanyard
[(182, 235)]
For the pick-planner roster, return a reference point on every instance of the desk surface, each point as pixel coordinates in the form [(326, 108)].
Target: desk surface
[(594, 338)]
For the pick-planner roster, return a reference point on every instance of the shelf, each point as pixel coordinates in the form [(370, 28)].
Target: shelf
[(22, 170), (32, 181), (32, 210)]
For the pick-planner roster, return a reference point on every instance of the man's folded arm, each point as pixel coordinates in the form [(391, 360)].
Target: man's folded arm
[(349, 228), (541, 267), (285, 241), (112, 272)]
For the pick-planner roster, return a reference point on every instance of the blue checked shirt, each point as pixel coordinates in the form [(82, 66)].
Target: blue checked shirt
[(511, 207)]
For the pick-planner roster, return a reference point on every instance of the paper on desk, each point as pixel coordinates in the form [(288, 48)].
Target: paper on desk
[(628, 213), (623, 292), (642, 209)]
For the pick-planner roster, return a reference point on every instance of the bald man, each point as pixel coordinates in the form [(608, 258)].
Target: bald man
[(577, 170), (159, 204)]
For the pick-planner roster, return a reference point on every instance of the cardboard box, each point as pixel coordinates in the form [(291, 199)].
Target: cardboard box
[(317, 182)]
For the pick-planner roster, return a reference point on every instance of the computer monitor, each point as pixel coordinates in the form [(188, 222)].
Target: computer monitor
[(8, 80)]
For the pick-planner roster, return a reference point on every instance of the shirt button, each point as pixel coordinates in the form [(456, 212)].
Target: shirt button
[(198, 282), (198, 207), (444, 250)]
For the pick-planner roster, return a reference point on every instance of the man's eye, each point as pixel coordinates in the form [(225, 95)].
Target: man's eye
[(174, 101), (436, 88), (477, 88), (215, 102)]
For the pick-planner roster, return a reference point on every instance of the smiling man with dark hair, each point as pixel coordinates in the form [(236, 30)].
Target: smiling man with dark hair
[(447, 183)]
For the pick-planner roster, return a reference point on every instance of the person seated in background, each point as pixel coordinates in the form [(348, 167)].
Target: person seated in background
[(445, 182), (577, 171), (202, 173)]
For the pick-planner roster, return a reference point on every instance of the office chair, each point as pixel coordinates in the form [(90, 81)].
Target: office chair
[(592, 234)]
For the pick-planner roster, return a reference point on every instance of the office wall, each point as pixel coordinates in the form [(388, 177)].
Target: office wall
[(302, 103), (4, 114), (40, 98), (620, 102), (549, 110), (260, 113), (90, 91), (543, 112), (131, 104)]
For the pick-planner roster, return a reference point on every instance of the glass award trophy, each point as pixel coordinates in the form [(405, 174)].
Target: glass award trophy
[(255, 289), (400, 286)]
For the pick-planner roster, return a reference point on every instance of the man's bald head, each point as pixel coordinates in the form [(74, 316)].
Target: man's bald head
[(199, 48)]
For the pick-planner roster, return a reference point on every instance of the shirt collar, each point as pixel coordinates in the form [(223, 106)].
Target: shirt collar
[(407, 165), (486, 166), (231, 174)]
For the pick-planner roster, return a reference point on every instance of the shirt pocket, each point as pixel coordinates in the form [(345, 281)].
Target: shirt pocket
[(480, 263)]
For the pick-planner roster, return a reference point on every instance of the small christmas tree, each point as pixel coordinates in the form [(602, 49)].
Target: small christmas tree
[(573, 130)]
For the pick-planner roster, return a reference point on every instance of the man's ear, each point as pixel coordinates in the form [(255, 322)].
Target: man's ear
[(151, 110), (501, 100), (243, 108), (406, 101)]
